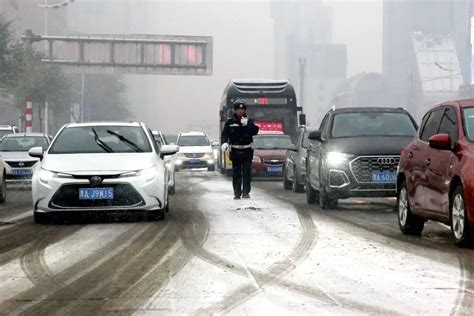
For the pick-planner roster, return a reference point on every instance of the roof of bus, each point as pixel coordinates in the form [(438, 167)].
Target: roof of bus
[(259, 81)]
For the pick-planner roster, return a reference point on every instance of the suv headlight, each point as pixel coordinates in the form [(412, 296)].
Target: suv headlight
[(257, 159), (335, 159), (208, 156)]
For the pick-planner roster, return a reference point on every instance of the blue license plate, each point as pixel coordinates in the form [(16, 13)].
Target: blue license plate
[(21, 172), (194, 161), (384, 177), (96, 194), (275, 169)]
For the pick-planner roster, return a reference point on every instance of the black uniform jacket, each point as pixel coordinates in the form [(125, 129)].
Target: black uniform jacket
[(236, 134)]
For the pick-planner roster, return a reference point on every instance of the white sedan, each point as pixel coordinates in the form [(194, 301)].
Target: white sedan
[(101, 167)]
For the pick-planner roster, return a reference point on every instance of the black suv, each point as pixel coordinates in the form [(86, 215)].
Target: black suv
[(355, 153)]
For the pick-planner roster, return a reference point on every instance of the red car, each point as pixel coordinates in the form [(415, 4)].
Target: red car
[(269, 154), (436, 175)]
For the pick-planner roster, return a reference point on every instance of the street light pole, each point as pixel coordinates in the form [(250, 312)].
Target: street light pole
[(46, 105)]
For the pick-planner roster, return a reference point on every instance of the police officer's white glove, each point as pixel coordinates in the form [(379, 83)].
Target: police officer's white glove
[(244, 121), (225, 146)]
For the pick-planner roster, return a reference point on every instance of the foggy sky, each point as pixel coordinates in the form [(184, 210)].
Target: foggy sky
[(243, 48)]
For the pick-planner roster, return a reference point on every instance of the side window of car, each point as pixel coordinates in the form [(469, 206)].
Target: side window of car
[(449, 124), (432, 124)]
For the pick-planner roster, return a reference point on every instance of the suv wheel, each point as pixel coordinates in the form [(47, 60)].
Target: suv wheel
[(409, 223), (312, 196), (287, 184), (459, 223), (3, 190), (326, 200), (296, 186)]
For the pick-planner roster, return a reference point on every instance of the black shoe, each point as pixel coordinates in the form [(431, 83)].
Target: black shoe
[(246, 196), (236, 197)]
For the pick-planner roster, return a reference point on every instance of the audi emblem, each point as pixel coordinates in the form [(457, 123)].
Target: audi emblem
[(386, 161), (95, 180)]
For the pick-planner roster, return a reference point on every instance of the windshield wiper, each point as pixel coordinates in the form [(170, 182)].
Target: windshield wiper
[(100, 142), (126, 141)]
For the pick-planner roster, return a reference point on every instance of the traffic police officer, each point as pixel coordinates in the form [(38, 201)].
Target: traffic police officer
[(238, 135)]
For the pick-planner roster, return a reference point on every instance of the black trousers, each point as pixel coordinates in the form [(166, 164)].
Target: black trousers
[(241, 170)]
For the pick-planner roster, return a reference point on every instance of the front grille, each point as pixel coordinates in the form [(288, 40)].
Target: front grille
[(261, 87), (194, 155), (68, 197), (21, 164), (87, 177), (364, 167), (273, 162)]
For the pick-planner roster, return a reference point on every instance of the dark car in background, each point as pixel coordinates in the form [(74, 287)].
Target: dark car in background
[(435, 179), (269, 154), (355, 153), (294, 173)]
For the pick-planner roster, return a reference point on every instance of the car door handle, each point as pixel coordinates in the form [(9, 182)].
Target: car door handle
[(428, 162)]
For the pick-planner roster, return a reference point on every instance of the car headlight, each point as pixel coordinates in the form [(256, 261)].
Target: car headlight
[(149, 174), (45, 175), (181, 155), (208, 156), (335, 159), (257, 159)]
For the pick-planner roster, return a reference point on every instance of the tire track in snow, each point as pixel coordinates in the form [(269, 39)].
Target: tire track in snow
[(275, 272), (86, 294), (43, 292), (465, 297), (33, 262), (155, 280)]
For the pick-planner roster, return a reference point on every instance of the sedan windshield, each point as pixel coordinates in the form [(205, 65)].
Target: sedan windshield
[(23, 143), (278, 142), (372, 124), (193, 141), (101, 139)]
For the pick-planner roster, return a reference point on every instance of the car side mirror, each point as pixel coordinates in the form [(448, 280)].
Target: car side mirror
[(216, 144), (36, 152), (441, 142), (315, 135), (292, 147), (168, 150)]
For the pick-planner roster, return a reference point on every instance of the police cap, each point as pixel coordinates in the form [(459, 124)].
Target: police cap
[(239, 104)]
